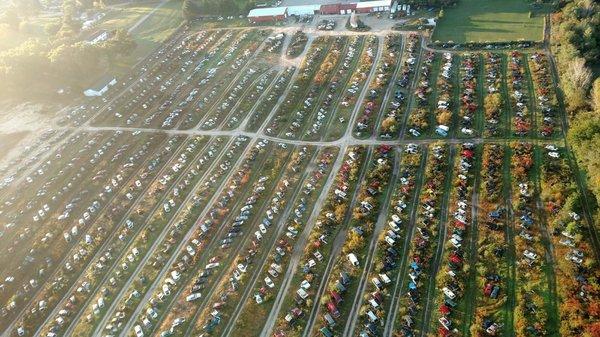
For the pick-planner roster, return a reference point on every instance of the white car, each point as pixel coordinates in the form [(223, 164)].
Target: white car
[(530, 255), (449, 293), (138, 331), (269, 282), (193, 297)]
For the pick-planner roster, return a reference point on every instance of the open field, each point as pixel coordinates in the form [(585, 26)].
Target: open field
[(489, 20), (149, 27), (363, 186)]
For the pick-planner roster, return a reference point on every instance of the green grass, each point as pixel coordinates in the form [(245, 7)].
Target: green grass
[(489, 20), (153, 31)]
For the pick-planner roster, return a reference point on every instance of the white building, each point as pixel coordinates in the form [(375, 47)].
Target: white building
[(101, 86)]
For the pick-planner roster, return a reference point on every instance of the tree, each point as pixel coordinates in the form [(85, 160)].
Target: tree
[(596, 95), (51, 28), (190, 10), (580, 74), (64, 60), (389, 124), (11, 18), (121, 44), (23, 65), (445, 117)]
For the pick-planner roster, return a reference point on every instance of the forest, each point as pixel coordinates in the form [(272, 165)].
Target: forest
[(576, 45), (38, 67)]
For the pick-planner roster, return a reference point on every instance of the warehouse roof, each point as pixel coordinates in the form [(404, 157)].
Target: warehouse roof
[(378, 3), (274, 11), (303, 10)]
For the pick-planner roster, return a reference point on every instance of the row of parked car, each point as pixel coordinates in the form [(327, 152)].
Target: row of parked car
[(387, 128), (336, 87), (386, 68), (418, 120), (544, 92), (245, 259), (494, 99), (267, 104), (314, 96), (297, 94), (445, 89), (421, 255), (56, 227), (469, 67), (375, 308), (189, 248), (519, 94), (139, 231), (161, 90), (312, 262), (530, 246), (360, 235), (452, 276)]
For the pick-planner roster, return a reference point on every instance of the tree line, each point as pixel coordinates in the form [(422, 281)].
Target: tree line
[(40, 66), (576, 46), (193, 9)]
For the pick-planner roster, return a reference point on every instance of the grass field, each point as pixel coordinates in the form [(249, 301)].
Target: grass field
[(489, 20), (150, 33)]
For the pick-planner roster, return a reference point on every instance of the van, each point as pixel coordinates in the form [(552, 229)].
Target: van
[(353, 260)]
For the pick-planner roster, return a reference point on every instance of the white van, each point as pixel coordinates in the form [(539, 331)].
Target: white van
[(352, 258)]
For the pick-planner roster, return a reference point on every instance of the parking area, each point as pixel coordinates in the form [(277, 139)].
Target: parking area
[(266, 181)]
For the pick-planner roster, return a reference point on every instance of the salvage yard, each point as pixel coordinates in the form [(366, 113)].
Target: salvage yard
[(261, 182)]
